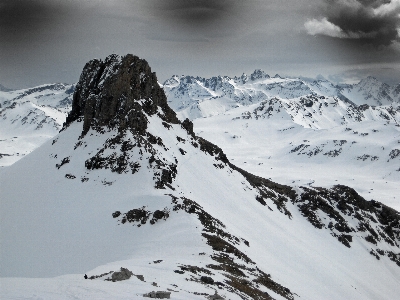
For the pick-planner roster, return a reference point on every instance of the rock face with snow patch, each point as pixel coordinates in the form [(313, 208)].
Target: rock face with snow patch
[(123, 274), (119, 92)]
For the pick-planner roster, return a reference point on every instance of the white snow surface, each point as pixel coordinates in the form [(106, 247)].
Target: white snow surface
[(54, 226), (316, 151)]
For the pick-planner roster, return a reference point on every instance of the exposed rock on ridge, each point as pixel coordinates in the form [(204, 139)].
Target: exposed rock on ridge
[(122, 92), (119, 91)]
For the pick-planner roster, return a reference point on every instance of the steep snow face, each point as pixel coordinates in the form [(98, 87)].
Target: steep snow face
[(370, 91), (169, 206), (194, 97), (94, 206), (30, 117)]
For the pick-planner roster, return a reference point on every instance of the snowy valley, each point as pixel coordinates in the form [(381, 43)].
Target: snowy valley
[(229, 188)]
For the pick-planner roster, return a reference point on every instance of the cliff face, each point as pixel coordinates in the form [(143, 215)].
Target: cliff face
[(119, 92)]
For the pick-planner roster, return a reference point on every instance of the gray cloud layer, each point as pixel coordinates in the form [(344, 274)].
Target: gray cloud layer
[(23, 16), (193, 13), (370, 21), (43, 41), (193, 16)]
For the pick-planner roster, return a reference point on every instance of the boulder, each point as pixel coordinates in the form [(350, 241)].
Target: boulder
[(158, 295), (124, 274)]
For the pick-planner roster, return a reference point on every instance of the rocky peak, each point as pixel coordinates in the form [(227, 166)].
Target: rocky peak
[(258, 74), (242, 79), (119, 92)]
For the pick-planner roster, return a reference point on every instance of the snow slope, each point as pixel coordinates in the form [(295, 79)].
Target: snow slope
[(30, 117), (275, 139), (144, 193), (370, 91)]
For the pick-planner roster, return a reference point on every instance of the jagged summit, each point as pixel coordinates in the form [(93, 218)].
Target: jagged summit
[(119, 91), (259, 74)]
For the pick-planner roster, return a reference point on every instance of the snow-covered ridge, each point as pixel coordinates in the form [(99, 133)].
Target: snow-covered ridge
[(196, 97), (323, 112), (135, 189), (57, 95)]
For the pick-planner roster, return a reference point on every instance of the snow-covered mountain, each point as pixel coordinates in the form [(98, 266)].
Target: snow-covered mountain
[(325, 134), (30, 117), (371, 91), (128, 191), (194, 97)]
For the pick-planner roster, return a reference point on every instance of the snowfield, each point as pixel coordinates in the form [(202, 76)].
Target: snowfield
[(357, 154)]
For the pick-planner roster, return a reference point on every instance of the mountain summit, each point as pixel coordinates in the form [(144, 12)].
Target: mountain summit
[(127, 186), (118, 92)]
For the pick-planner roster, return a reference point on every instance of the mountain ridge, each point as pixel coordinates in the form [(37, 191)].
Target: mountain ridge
[(39, 113), (166, 203), (187, 94)]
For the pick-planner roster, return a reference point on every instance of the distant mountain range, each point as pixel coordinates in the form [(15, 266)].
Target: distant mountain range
[(195, 97), (127, 191), (307, 117)]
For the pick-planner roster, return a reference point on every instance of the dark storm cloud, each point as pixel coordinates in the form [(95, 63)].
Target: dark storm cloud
[(196, 14), (43, 41), (372, 21), (22, 18)]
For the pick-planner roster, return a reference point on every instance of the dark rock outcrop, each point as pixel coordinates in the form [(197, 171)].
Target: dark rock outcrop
[(158, 295), (123, 274), (119, 92)]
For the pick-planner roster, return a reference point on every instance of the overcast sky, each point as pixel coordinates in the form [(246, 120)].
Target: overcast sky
[(46, 41)]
